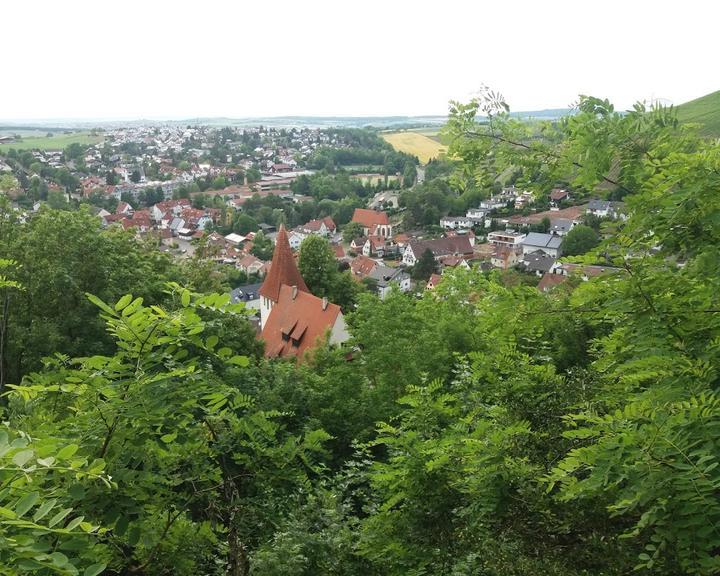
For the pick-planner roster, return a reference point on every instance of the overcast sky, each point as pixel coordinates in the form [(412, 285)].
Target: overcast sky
[(155, 59)]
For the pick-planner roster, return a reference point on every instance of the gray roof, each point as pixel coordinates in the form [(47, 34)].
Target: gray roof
[(561, 225), (538, 261), (542, 240), (385, 274), (245, 293), (598, 205)]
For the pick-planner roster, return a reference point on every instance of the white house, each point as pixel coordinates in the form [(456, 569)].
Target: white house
[(477, 214), (506, 238), (547, 243), (295, 238), (456, 222), (386, 277)]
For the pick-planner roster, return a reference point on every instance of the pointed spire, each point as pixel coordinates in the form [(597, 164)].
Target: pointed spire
[(283, 270)]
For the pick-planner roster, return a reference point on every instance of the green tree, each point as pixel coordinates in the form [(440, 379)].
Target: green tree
[(425, 266), (317, 265), (351, 231), (579, 240), (262, 246)]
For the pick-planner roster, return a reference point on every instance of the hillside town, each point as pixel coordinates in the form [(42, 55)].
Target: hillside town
[(233, 197)]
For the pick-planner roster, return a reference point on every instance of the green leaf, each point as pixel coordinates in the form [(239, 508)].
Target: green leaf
[(74, 523), (67, 451), (167, 438), (242, 361), (59, 517), (21, 458), (95, 569), (47, 462), (25, 503), (185, 298), (212, 341), (123, 302), (100, 304), (44, 508)]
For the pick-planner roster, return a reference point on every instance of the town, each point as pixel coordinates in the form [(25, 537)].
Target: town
[(226, 196)]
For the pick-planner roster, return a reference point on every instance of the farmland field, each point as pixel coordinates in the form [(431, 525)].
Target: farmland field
[(57, 142), (415, 143)]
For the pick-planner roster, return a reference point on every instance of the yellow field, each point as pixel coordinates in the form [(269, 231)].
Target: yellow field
[(415, 143)]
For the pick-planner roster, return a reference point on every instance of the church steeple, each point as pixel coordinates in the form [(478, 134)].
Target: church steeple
[(283, 270)]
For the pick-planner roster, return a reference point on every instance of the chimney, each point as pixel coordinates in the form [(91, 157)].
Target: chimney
[(324, 303), (294, 292)]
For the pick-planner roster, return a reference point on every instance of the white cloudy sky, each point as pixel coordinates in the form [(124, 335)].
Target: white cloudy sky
[(156, 59)]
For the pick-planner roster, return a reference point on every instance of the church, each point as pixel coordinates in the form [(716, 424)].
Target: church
[(293, 320)]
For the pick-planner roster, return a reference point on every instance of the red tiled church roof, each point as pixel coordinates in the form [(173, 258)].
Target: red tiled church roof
[(296, 322), (283, 270), (369, 218)]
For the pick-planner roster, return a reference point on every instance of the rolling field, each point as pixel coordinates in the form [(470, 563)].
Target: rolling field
[(57, 142), (705, 111), (415, 143)]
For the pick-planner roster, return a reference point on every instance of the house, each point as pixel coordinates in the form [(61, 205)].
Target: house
[(357, 244), (295, 238), (374, 223), (583, 271), (561, 226), (323, 227), (547, 243), (362, 266), (124, 208), (505, 257), (507, 238), (558, 195), (469, 234), (386, 277), (456, 222), (454, 261), (235, 239), (299, 321), (537, 262), (605, 209), (523, 199), (433, 281), (339, 251), (378, 246), (549, 281), (250, 264), (171, 207), (283, 271), (496, 202), (455, 245), (599, 208), (476, 214), (248, 294)]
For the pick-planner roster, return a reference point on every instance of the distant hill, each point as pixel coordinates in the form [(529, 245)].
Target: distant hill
[(389, 122), (704, 110)]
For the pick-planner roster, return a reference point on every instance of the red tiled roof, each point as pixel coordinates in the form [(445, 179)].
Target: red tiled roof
[(296, 322), (369, 218), (549, 281), (558, 194), (362, 266), (339, 251), (434, 281), (284, 270)]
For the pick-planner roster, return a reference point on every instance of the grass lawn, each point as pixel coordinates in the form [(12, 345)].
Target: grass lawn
[(57, 142), (415, 143), (705, 111)]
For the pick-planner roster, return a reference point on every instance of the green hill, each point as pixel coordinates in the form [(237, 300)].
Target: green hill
[(704, 110)]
